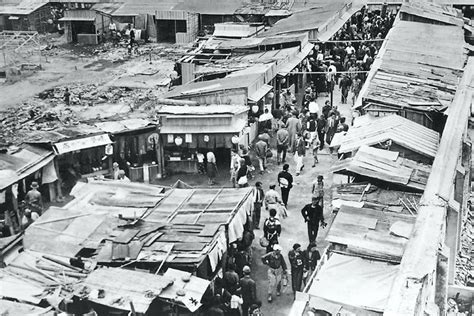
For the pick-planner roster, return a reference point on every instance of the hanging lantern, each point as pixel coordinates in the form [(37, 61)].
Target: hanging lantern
[(235, 139), (283, 80), (270, 95), (178, 141), (255, 108), (206, 138)]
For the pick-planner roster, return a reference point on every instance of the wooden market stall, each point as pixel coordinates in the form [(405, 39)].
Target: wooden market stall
[(415, 73), (384, 168), (81, 151), (186, 130), (392, 132), (20, 166), (137, 148)]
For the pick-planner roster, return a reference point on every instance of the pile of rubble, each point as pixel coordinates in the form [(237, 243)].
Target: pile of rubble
[(465, 258), (48, 110)]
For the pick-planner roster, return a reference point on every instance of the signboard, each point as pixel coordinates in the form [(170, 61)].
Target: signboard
[(82, 143)]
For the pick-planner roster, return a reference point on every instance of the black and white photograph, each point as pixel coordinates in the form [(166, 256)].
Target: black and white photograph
[(236, 157)]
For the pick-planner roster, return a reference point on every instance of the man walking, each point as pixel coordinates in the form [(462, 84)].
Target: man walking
[(261, 151), (282, 138), (259, 196), (285, 181), (300, 153), (297, 263), (276, 268), (293, 124), (272, 229), (313, 216), (248, 289)]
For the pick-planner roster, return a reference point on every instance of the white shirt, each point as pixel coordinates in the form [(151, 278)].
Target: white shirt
[(211, 157), (265, 117), (313, 107), (200, 157), (112, 27), (350, 50)]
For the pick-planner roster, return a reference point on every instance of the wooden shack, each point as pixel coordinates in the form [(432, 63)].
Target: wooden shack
[(28, 15), (185, 130)]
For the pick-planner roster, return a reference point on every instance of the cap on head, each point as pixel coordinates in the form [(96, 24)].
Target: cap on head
[(277, 247), (246, 270), (296, 246), (286, 166), (34, 185), (272, 186), (121, 172), (320, 177), (115, 165)]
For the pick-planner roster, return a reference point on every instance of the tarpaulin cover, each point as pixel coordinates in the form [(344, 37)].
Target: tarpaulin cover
[(355, 282)]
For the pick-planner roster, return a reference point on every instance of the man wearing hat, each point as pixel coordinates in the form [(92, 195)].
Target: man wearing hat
[(33, 197), (276, 267), (248, 290), (297, 262), (313, 216)]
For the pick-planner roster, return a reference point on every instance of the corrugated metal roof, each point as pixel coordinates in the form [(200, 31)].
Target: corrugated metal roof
[(210, 7), (400, 130), (402, 172)]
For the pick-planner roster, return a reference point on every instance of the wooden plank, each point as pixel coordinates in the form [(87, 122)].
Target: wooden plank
[(126, 236)]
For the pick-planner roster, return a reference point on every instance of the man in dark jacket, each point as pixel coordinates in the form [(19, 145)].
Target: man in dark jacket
[(248, 289), (313, 216), (272, 229), (297, 262), (285, 181)]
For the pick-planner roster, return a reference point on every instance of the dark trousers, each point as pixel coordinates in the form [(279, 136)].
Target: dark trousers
[(313, 231), (284, 195), (245, 309), (281, 153), (296, 279), (257, 209), (321, 139)]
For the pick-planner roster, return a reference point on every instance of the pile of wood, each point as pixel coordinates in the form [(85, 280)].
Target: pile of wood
[(465, 258)]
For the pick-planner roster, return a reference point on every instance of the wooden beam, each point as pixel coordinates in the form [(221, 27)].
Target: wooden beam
[(413, 290)]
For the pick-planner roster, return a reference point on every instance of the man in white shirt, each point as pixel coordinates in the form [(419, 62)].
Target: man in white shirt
[(313, 107)]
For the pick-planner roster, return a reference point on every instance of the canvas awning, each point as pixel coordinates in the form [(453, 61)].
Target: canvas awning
[(260, 93), (81, 143), (354, 281), (291, 64)]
